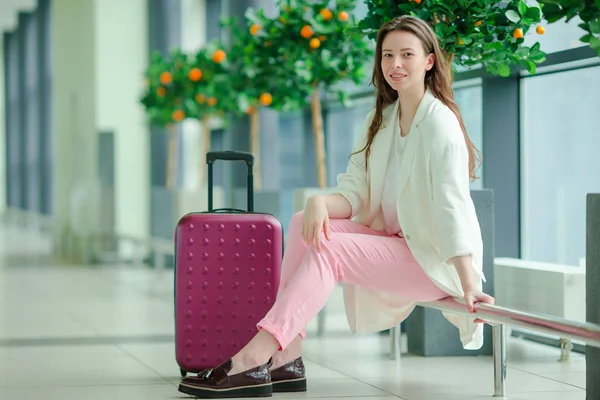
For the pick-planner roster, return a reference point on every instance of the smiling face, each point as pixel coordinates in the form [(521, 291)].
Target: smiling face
[(403, 61)]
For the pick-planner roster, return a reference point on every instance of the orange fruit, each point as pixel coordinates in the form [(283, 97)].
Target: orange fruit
[(161, 91), (200, 98), (540, 30), (265, 99), (460, 41), (518, 33), (326, 14), (195, 74), (178, 115), (314, 43), (219, 56), (254, 29), (306, 32), (166, 78), (212, 101), (322, 38), (343, 15), (478, 23), (250, 110)]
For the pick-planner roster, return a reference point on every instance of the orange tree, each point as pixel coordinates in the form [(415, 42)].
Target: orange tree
[(254, 79), (471, 32), (206, 93), (164, 99), (587, 10), (309, 49)]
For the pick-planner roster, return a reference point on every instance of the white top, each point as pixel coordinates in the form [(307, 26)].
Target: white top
[(391, 187)]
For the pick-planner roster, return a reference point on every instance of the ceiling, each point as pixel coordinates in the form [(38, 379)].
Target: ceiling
[(9, 12)]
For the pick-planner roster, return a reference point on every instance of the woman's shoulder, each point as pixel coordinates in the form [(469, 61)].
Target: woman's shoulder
[(441, 123)]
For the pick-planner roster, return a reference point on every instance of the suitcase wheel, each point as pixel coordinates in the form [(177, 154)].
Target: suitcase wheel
[(182, 372)]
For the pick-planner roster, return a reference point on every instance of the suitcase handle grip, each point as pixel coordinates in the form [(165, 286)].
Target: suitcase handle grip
[(248, 158), (212, 156)]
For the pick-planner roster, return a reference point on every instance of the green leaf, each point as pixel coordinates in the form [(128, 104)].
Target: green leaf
[(586, 38), (533, 13), (595, 27), (343, 98), (595, 44), (503, 70), (522, 52), (513, 16), (529, 65), (522, 8)]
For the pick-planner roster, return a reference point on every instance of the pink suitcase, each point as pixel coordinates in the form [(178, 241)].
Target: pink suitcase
[(227, 269)]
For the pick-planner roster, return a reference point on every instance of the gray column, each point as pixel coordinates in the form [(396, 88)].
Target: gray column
[(164, 24), (428, 332), (45, 106), (6, 37), (30, 103), (501, 170), (13, 121), (592, 283), (22, 114)]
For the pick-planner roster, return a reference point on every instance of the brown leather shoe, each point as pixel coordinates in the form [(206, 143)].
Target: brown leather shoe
[(290, 377), (214, 382)]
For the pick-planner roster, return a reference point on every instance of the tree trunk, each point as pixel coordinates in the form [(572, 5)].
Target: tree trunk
[(172, 156), (255, 146), (317, 121), (207, 136)]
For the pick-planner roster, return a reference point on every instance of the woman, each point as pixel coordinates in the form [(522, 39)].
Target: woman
[(413, 237)]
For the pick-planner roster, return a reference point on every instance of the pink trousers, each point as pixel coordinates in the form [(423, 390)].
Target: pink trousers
[(355, 254)]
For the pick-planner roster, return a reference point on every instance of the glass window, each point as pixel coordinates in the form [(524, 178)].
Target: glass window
[(559, 157), (468, 96)]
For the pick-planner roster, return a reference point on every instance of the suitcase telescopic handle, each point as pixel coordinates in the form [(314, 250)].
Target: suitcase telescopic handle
[(248, 158)]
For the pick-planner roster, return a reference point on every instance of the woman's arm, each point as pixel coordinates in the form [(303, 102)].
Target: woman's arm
[(338, 207)]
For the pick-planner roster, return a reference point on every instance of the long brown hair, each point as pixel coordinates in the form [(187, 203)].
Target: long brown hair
[(438, 79)]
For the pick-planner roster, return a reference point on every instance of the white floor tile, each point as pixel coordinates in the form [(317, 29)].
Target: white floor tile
[(45, 366), (576, 395), (123, 392)]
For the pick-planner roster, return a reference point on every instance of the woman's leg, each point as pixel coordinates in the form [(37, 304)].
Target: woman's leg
[(295, 251), (382, 262)]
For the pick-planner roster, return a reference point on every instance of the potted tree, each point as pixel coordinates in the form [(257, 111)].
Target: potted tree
[(588, 12), (164, 100), (309, 44), (482, 32)]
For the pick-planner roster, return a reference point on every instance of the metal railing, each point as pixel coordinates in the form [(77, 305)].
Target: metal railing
[(500, 317)]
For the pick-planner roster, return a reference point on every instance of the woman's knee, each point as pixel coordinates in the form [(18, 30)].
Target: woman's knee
[(296, 221)]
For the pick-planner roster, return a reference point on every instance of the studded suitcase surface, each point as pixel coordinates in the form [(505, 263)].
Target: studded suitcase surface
[(227, 270)]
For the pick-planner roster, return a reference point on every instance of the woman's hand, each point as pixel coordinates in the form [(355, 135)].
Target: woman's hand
[(315, 220), (475, 296)]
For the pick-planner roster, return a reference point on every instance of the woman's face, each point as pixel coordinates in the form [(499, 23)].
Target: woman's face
[(403, 61)]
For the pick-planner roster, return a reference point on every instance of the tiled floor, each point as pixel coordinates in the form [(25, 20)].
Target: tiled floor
[(79, 332)]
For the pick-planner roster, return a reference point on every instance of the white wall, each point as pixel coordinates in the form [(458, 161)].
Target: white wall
[(121, 53)]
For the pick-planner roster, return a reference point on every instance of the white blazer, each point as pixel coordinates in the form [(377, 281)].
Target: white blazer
[(435, 211)]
